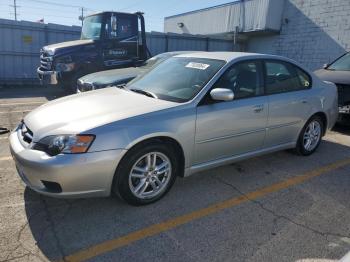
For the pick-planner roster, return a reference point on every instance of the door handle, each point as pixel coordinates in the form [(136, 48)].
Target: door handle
[(258, 108), (304, 101)]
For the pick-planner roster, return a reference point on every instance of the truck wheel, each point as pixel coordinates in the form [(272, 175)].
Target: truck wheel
[(310, 136), (71, 86), (146, 173)]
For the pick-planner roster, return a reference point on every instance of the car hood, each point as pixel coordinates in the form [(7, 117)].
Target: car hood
[(337, 77), (111, 76), (54, 47), (81, 112)]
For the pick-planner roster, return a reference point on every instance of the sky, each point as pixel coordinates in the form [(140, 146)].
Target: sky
[(67, 11)]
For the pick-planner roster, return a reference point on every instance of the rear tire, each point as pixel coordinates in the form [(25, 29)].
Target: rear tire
[(146, 173), (310, 136)]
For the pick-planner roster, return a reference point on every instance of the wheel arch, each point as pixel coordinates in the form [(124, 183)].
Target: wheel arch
[(174, 143), (324, 118)]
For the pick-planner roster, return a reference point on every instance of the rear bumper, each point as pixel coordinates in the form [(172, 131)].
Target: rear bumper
[(47, 77), (77, 175)]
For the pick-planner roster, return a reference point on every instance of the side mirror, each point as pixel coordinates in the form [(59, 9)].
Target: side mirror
[(325, 66), (222, 94), (113, 25)]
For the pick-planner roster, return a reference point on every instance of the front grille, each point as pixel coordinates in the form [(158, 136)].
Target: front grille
[(45, 61), (343, 94), (26, 133)]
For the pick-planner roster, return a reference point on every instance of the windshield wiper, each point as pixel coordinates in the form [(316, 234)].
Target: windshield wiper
[(121, 86), (146, 93)]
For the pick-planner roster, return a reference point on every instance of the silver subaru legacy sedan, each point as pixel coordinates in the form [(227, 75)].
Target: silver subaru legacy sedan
[(192, 112)]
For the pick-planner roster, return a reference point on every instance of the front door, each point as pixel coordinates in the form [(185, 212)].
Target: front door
[(121, 40), (225, 129)]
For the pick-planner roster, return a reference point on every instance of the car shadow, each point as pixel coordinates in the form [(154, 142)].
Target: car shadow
[(63, 226), (343, 128), (49, 93)]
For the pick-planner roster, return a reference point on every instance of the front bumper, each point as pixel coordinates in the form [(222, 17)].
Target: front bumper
[(344, 110), (78, 175), (47, 77)]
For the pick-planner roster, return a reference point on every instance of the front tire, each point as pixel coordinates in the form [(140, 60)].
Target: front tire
[(146, 173), (71, 85), (310, 136)]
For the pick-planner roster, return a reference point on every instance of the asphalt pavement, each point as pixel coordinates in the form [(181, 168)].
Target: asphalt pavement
[(278, 207)]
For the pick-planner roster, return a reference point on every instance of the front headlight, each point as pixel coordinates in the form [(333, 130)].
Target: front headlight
[(65, 144), (83, 87), (61, 67), (64, 63)]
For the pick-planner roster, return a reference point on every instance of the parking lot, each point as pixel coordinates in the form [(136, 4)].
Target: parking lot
[(279, 207)]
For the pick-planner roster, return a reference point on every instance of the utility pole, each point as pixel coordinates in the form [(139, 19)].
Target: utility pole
[(82, 16), (15, 8)]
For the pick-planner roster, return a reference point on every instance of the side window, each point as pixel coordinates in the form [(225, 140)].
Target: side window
[(304, 78), (242, 79), (283, 77), (121, 27)]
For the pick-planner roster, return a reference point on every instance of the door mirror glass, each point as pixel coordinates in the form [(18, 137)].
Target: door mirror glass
[(222, 94), (113, 26)]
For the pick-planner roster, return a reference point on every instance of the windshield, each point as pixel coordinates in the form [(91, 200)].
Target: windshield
[(92, 27), (155, 60), (342, 64), (177, 79)]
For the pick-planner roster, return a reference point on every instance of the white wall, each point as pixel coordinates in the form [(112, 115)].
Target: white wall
[(315, 32)]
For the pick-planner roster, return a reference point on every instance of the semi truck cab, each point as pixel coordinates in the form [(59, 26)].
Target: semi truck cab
[(108, 40)]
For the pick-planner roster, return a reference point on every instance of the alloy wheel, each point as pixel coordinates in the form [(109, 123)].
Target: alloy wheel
[(312, 135), (150, 175)]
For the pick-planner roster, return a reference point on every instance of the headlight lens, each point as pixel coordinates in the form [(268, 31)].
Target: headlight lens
[(66, 144)]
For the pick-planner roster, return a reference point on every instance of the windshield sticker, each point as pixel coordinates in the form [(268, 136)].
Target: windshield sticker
[(199, 66)]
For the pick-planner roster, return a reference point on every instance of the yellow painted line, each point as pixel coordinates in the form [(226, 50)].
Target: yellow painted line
[(156, 229), (22, 103), (5, 158), (19, 111)]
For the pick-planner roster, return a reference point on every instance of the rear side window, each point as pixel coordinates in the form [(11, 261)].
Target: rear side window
[(304, 78), (284, 77)]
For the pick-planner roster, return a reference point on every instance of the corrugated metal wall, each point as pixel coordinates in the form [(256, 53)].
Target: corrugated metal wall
[(20, 43), (160, 42), (246, 15)]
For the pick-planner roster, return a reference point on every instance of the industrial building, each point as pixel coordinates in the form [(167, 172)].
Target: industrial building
[(312, 32)]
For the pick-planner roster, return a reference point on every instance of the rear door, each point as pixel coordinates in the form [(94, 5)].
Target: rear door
[(120, 46), (290, 98)]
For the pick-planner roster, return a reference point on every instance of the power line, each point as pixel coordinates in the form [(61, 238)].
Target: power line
[(51, 3), (59, 16), (48, 9), (62, 5)]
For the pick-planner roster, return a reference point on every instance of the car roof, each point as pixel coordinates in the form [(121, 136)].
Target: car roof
[(229, 56), (174, 53)]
